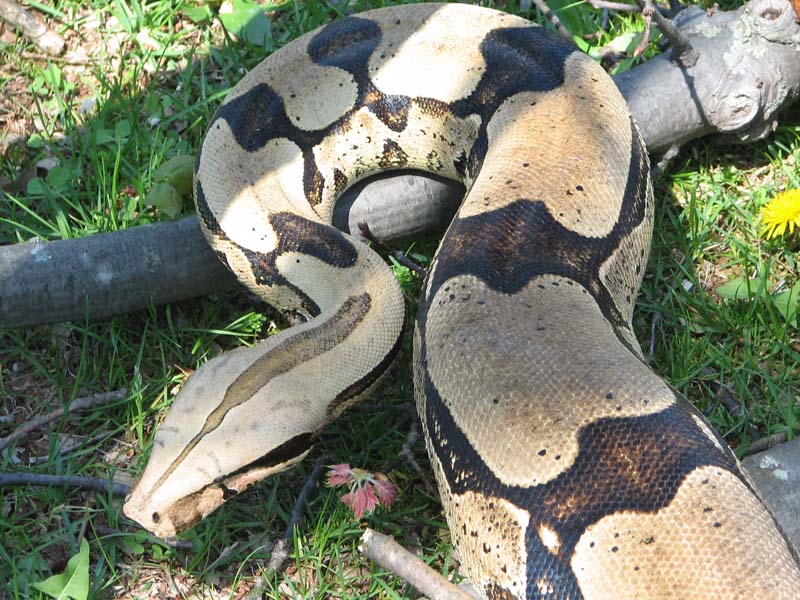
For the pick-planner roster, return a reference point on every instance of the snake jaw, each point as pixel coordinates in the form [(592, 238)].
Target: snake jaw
[(175, 518), (212, 444), (167, 519)]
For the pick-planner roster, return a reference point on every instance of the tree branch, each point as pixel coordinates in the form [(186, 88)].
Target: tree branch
[(390, 555), (31, 27), (746, 73), (682, 48), (75, 405), (94, 484)]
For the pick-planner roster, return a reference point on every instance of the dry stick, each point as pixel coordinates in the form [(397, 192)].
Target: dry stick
[(94, 484), (399, 256), (31, 27), (618, 6), (682, 50), (768, 442), (390, 555), (407, 454), (77, 404), (280, 551), (553, 18), (647, 13)]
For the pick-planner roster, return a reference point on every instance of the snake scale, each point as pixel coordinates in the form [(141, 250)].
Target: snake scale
[(566, 467)]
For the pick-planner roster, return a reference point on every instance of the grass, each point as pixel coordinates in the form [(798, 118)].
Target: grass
[(99, 130)]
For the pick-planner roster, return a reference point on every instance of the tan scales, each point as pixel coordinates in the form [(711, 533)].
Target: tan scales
[(566, 467)]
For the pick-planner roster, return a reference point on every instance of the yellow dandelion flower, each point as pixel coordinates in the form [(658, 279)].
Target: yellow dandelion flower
[(781, 213)]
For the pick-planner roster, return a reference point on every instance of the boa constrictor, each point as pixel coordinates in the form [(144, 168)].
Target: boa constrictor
[(566, 467)]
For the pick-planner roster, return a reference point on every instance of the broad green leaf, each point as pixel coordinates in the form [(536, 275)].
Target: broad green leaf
[(247, 21), (786, 302), (104, 136), (177, 172), (738, 289), (165, 197), (122, 130), (197, 13), (72, 583)]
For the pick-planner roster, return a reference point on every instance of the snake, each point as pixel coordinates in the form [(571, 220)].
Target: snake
[(567, 468)]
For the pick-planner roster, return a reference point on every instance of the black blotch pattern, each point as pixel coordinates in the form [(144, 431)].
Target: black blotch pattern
[(298, 234), (340, 182), (520, 59), (292, 448), (393, 155), (508, 247), (347, 44), (207, 217), (227, 493), (623, 464), (295, 234), (313, 181), (392, 110), (258, 116)]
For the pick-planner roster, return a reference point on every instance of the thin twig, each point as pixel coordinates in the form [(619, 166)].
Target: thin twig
[(651, 348), (647, 13), (553, 18), (682, 50), (768, 442), (77, 404), (94, 484), (399, 256), (390, 555), (618, 6), (407, 454), (280, 551), (666, 159), (71, 450)]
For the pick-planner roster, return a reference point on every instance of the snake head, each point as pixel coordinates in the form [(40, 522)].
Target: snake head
[(216, 440)]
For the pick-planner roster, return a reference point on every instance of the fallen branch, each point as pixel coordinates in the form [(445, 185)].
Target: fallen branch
[(31, 27), (94, 484), (387, 553), (75, 405), (766, 443), (746, 73)]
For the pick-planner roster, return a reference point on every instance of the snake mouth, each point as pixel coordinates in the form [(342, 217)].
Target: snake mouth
[(167, 519)]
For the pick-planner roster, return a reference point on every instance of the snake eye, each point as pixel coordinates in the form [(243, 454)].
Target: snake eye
[(156, 517)]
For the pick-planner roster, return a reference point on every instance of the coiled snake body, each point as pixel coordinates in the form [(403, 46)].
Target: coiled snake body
[(566, 467)]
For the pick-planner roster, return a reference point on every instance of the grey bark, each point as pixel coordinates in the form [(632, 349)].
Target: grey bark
[(32, 27), (748, 70)]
